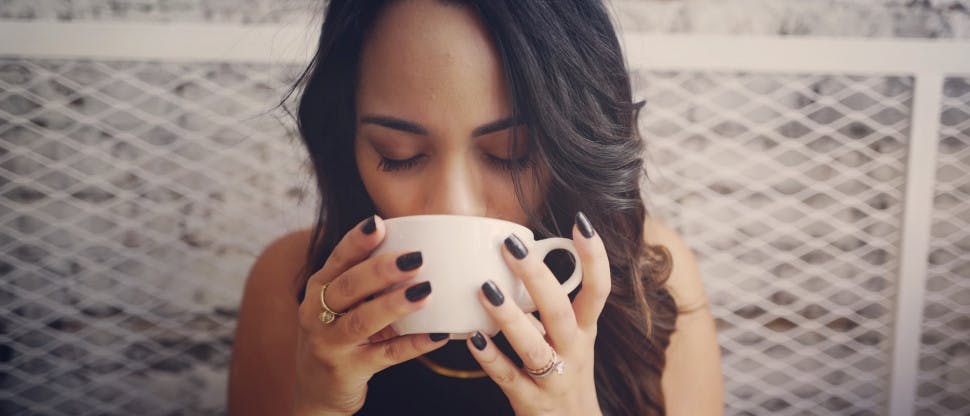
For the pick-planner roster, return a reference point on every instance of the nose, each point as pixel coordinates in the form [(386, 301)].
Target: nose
[(455, 189)]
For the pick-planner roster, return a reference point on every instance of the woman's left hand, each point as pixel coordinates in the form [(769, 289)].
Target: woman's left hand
[(570, 330)]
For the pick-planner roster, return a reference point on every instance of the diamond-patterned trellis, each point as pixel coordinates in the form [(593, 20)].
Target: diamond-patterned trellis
[(944, 379), (790, 190), (134, 197)]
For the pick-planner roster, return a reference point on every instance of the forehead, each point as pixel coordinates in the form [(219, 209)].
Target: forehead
[(431, 62)]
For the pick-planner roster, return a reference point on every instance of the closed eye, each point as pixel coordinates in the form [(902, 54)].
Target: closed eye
[(391, 165), (511, 165)]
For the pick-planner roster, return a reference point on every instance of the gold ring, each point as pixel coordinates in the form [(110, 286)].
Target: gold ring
[(328, 315), (555, 364)]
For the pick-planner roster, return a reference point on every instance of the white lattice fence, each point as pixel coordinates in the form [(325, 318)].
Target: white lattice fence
[(134, 198), (138, 178), (944, 380), (790, 190)]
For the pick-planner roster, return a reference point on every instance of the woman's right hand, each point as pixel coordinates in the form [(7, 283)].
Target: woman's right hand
[(336, 360)]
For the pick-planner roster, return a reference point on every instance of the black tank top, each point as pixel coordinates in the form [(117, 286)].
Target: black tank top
[(411, 388)]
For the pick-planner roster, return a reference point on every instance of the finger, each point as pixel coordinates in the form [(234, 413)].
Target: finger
[(514, 382), (597, 283), (554, 308), (369, 318), (524, 338), (535, 323), (382, 335), (371, 276), (355, 246), (398, 350)]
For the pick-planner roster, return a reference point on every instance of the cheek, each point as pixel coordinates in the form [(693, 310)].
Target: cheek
[(392, 198), (503, 201), (367, 169), (392, 195)]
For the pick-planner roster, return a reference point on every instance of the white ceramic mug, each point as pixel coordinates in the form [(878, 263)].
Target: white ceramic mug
[(459, 254)]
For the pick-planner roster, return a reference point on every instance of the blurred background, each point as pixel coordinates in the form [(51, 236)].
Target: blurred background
[(815, 155)]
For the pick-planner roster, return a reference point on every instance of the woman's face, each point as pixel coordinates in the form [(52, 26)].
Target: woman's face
[(433, 117)]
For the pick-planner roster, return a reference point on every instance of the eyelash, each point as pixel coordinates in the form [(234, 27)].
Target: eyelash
[(516, 165)]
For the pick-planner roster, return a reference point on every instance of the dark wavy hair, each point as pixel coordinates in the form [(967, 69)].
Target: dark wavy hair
[(570, 86)]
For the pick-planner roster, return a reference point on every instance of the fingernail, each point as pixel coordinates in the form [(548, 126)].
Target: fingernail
[(438, 336), (409, 261), (516, 247), (418, 291), (493, 293), (585, 228), (478, 340), (369, 226)]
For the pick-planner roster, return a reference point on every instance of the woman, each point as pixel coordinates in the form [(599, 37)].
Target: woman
[(519, 110)]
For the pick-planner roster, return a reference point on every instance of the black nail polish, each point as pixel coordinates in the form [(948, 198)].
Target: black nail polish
[(493, 293), (437, 336), (478, 340), (369, 226), (409, 261), (585, 228), (418, 291), (516, 247)]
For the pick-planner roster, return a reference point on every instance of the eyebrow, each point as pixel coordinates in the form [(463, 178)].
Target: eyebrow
[(415, 128)]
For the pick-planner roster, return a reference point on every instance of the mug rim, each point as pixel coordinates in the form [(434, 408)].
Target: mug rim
[(408, 218)]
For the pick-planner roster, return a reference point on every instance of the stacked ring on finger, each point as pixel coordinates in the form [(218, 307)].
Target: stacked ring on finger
[(328, 315), (555, 364)]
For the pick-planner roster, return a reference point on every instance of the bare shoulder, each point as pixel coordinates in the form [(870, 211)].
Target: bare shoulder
[(685, 278), (277, 266), (261, 368), (691, 381)]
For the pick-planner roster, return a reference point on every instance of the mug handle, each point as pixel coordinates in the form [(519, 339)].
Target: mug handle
[(542, 248)]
